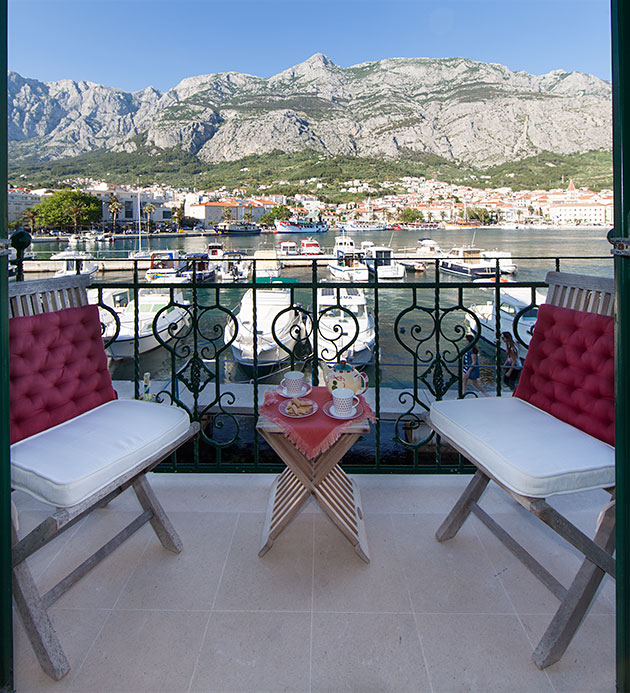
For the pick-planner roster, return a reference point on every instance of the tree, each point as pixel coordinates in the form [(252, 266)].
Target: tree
[(114, 207), (30, 217), (179, 215), (69, 208), (248, 214), (148, 210), (410, 216), (227, 214)]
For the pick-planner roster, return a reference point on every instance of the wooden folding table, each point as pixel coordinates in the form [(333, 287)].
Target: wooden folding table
[(322, 477)]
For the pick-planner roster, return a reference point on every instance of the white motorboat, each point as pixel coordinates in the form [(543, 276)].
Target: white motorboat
[(380, 259), (165, 264), (234, 267), (344, 243), (309, 246), (511, 302), (506, 264), (197, 265), (336, 328), (348, 266), (427, 250), (74, 262), (157, 316), (466, 261), (288, 248), (278, 326), (266, 264), (300, 226)]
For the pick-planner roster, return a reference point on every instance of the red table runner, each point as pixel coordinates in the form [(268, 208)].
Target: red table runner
[(312, 435)]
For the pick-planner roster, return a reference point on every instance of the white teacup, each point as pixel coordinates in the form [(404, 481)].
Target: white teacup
[(344, 402), (293, 383)]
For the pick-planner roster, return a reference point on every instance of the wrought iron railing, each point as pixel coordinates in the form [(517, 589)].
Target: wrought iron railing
[(220, 344)]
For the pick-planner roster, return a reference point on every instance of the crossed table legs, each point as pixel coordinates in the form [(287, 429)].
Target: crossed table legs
[(322, 477)]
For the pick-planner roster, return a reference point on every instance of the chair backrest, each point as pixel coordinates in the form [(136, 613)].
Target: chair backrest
[(581, 292), (46, 295), (57, 362), (569, 368)]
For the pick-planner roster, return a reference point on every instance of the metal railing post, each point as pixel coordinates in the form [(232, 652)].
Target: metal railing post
[(6, 601), (620, 20)]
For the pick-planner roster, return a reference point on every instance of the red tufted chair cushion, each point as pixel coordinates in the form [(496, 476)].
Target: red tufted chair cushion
[(569, 370), (57, 369)]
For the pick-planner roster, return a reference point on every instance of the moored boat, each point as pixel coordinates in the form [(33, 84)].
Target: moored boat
[(234, 267), (380, 259), (337, 329), (511, 303), (159, 318), (237, 228), (74, 262), (466, 261), (300, 226), (278, 326), (506, 263), (351, 226), (309, 246)]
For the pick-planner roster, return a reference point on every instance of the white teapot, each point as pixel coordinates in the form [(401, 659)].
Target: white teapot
[(342, 374)]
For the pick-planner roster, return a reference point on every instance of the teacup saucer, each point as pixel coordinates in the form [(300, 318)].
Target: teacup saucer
[(329, 410), (306, 388)]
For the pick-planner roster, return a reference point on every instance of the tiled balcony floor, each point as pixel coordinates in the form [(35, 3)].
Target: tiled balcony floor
[(310, 615)]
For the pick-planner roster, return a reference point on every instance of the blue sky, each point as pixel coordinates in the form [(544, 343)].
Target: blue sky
[(131, 44)]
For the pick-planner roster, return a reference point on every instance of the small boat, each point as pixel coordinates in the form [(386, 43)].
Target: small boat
[(380, 259), (288, 248), (74, 262), (234, 267), (266, 264), (197, 265), (506, 264), (337, 329), (511, 302), (300, 226), (158, 316), (348, 266), (309, 246), (344, 243), (237, 228), (278, 326), (164, 264), (361, 226), (466, 261)]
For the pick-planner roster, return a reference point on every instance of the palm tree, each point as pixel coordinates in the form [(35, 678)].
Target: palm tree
[(248, 214), (148, 210), (227, 214), (179, 215), (76, 211), (30, 215), (114, 206)]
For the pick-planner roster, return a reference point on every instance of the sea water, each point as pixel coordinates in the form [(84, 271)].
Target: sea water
[(410, 327)]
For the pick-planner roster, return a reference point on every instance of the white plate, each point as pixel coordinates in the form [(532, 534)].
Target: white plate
[(282, 408), (306, 388), (329, 405)]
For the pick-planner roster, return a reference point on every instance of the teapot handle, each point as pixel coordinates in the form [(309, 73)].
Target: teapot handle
[(366, 382)]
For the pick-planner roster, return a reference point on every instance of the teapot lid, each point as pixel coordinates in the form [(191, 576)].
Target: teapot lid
[(343, 366)]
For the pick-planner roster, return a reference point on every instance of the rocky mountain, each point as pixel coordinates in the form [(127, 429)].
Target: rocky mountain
[(471, 112)]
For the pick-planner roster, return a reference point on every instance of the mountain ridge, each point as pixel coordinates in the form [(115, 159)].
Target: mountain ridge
[(465, 111)]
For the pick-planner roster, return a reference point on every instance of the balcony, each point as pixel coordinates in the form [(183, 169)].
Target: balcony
[(310, 615)]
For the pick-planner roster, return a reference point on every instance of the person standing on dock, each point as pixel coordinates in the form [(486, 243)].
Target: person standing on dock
[(470, 367)]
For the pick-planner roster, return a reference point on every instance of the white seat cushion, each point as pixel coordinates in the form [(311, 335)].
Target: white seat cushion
[(526, 449), (66, 464)]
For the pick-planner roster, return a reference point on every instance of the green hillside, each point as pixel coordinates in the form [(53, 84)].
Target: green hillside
[(177, 168)]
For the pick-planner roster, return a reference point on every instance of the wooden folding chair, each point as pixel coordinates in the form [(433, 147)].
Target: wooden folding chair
[(75, 446), (555, 436)]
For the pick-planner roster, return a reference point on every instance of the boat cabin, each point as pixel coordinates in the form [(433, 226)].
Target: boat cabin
[(309, 246), (288, 248), (343, 243), (215, 251)]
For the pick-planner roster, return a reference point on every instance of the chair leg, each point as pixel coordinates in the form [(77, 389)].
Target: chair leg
[(573, 608), (161, 524), (462, 509), (36, 621)]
